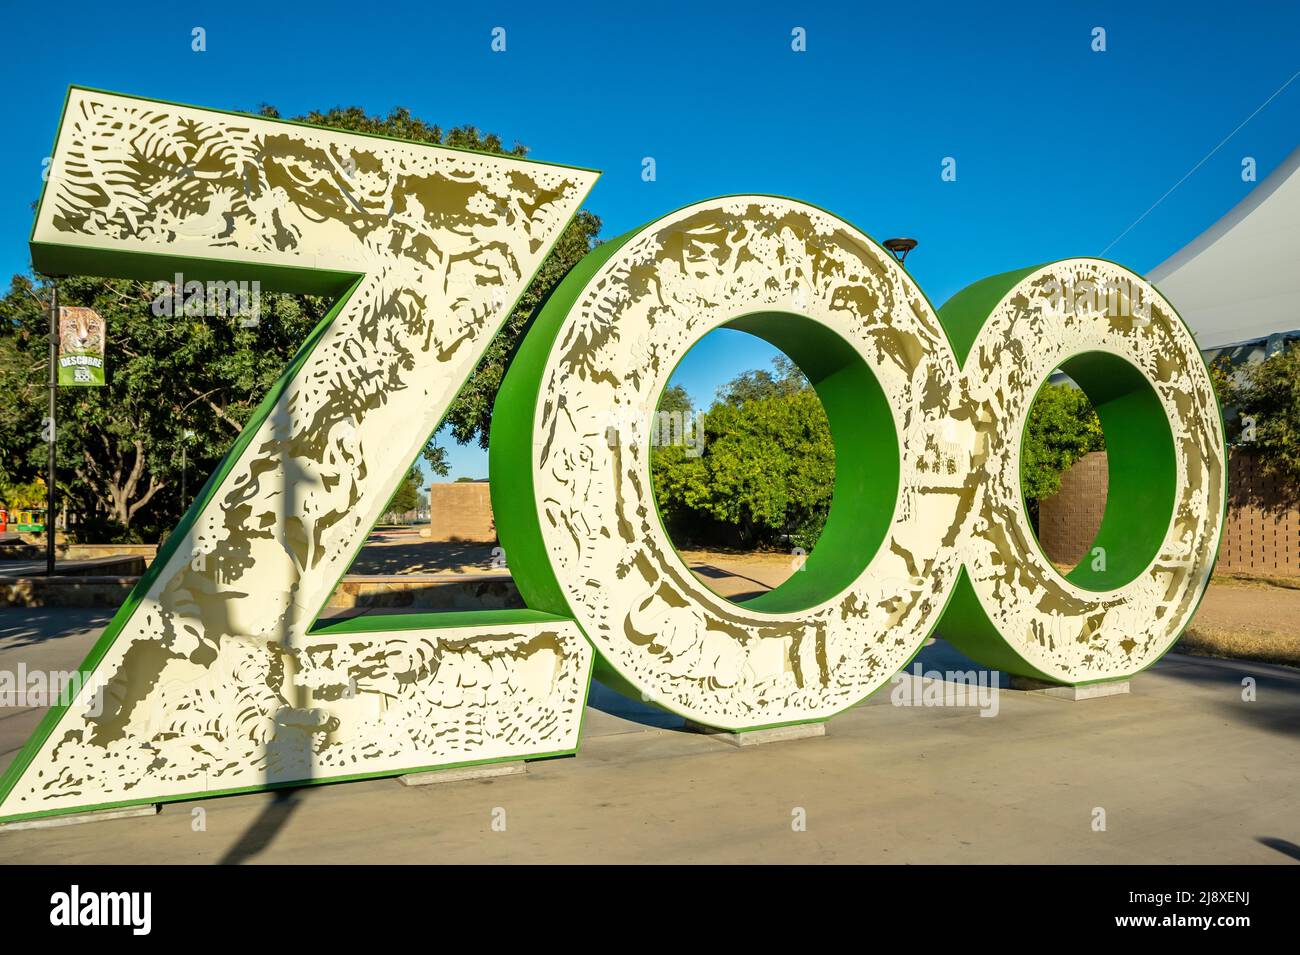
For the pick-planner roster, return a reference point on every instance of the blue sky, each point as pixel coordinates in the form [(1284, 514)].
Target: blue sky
[(1058, 148)]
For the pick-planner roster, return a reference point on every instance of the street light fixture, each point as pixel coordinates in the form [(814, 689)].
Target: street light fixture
[(900, 247)]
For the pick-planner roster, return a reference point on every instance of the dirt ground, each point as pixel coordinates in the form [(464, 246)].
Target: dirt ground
[(1240, 618), (1247, 619)]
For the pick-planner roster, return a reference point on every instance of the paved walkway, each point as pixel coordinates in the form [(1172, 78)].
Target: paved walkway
[(1184, 770), (82, 566)]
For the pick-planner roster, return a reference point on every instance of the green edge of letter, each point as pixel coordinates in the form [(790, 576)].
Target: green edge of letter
[(215, 675)]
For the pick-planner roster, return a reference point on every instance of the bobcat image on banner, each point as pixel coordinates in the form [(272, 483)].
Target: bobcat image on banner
[(81, 346)]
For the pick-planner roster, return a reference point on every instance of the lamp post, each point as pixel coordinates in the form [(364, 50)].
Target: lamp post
[(50, 428), (186, 437)]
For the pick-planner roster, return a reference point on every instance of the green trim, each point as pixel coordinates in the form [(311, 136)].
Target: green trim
[(867, 459), (967, 627), (517, 406), (486, 617), (168, 549), (197, 266), (1141, 465), (142, 265), (859, 417), (510, 442), (397, 622), (56, 258), (963, 315), (288, 784)]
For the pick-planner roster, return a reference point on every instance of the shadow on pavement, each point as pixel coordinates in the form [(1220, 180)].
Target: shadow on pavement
[(29, 626), (1281, 845), (410, 554), (614, 703), (265, 827)]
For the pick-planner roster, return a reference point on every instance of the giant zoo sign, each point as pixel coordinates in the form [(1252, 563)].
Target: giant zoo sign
[(216, 675)]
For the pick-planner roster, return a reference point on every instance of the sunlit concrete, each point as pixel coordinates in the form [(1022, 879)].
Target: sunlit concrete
[(1186, 768)]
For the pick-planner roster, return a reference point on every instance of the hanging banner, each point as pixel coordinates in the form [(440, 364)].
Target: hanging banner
[(81, 346)]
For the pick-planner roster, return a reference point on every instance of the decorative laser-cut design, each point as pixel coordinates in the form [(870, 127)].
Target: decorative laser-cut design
[(213, 677), (674, 640), (615, 337), (217, 677), (1091, 625)]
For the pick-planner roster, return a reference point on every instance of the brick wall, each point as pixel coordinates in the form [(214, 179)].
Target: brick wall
[(1068, 522), (461, 511), (1261, 533)]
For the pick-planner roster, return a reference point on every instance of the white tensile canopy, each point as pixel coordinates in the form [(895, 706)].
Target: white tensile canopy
[(1239, 280)]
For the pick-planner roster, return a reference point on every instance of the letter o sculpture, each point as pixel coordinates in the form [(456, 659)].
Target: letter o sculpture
[(927, 412)]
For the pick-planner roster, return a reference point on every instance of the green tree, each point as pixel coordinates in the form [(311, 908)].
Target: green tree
[(1221, 378), (179, 390), (121, 447), (26, 494), (408, 496), (1266, 399), (1063, 427), (785, 379), (676, 400), (21, 371), (767, 471)]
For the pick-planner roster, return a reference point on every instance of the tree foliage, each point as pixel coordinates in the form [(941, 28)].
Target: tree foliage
[(22, 495), (1062, 428), (179, 390), (784, 379), (1265, 397), (409, 495), (120, 446), (676, 400), (767, 471)]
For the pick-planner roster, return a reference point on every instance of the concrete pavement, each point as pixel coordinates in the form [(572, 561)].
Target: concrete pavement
[(1182, 770)]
